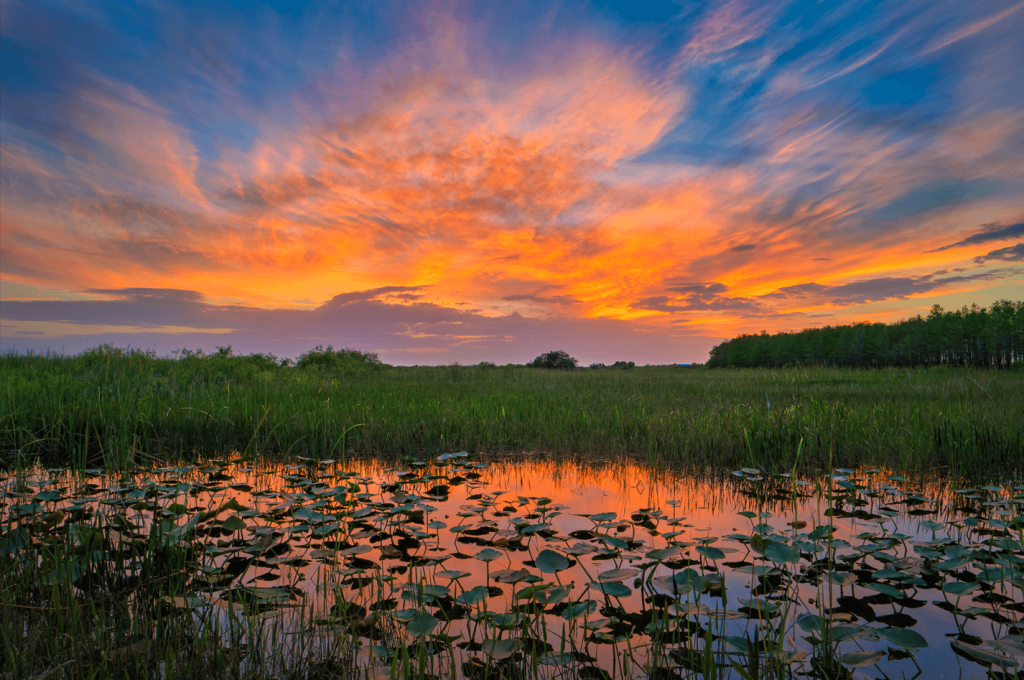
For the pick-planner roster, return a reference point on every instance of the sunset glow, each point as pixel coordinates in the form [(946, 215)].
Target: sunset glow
[(466, 182)]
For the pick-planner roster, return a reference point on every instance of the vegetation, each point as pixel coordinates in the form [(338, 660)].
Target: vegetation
[(558, 359), (972, 336), (113, 407), (439, 570), (334, 361)]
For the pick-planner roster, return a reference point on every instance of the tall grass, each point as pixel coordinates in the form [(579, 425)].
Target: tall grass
[(115, 408)]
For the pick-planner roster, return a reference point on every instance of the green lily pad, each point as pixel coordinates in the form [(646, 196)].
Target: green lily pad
[(711, 553), (903, 637), (233, 523), (422, 624), (488, 555), (884, 589), (617, 575), (550, 562), (959, 588), (613, 588), (473, 596), (501, 649), (779, 553), (861, 659)]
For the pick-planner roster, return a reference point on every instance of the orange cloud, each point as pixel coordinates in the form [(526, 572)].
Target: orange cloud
[(516, 191)]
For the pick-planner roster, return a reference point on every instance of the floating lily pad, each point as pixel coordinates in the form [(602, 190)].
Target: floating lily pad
[(550, 562)]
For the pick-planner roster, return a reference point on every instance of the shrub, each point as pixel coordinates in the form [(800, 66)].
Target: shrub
[(558, 359), (346, 360)]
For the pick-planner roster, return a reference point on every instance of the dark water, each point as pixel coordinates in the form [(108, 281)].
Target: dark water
[(534, 568)]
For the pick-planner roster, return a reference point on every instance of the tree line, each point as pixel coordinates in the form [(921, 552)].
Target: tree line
[(974, 336)]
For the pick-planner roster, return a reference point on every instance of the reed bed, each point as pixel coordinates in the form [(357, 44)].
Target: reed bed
[(117, 408)]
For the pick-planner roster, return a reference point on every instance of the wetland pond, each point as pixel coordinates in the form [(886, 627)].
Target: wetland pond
[(461, 566)]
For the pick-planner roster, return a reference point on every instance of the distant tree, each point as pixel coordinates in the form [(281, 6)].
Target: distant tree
[(623, 364), (597, 365), (558, 359), (971, 336)]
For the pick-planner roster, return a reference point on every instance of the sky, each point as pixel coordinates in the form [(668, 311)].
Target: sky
[(441, 182)]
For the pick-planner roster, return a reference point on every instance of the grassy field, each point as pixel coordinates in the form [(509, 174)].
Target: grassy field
[(114, 408)]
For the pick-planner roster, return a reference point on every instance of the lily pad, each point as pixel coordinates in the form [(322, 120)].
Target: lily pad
[(550, 562)]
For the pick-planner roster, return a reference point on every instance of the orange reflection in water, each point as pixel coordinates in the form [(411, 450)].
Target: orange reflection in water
[(323, 537)]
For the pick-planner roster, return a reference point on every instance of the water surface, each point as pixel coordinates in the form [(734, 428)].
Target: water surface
[(541, 568)]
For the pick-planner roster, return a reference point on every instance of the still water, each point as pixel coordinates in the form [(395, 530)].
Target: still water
[(474, 567)]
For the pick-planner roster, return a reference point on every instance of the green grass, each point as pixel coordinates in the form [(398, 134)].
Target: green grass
[(115, 408)]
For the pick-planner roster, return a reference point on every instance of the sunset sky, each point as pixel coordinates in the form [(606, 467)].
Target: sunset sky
[(445, 182)]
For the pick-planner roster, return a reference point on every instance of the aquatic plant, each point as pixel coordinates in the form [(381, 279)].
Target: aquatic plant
[(440, 568)]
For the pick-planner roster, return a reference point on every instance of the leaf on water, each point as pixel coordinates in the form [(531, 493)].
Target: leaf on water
[(671, 552), (959, 588), (842, 578), (689, 609), (233, 523), (780, 553), (841, 632), (903, 637), (861, 659), (488, 555), (885, 590), (510, 576), (809, 623), (614, 589), (953, 563), (550, 562), (617, 543), (551, 595), (15, 541), (355, 550), (711, 553), (617, 575), (737, 644), (556, 659), (1010, 644), (501, 649), (473, 596), (760, 605), (185, 602), (578, 609), (421, 624), (984, 656)]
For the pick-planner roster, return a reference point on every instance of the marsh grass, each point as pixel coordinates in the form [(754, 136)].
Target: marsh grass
[(436, 570), (115, 408)]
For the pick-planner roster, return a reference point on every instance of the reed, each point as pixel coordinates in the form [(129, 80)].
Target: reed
[(118, 407)]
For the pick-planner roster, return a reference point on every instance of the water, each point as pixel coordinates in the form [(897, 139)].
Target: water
[(540, 568)]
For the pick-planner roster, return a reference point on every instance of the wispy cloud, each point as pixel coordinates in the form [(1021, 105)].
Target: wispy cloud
[(987, 234), (735, 163), (1010, 254), (973, 28)]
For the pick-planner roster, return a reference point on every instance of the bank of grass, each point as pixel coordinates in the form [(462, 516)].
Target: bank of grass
[(114, 407)]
